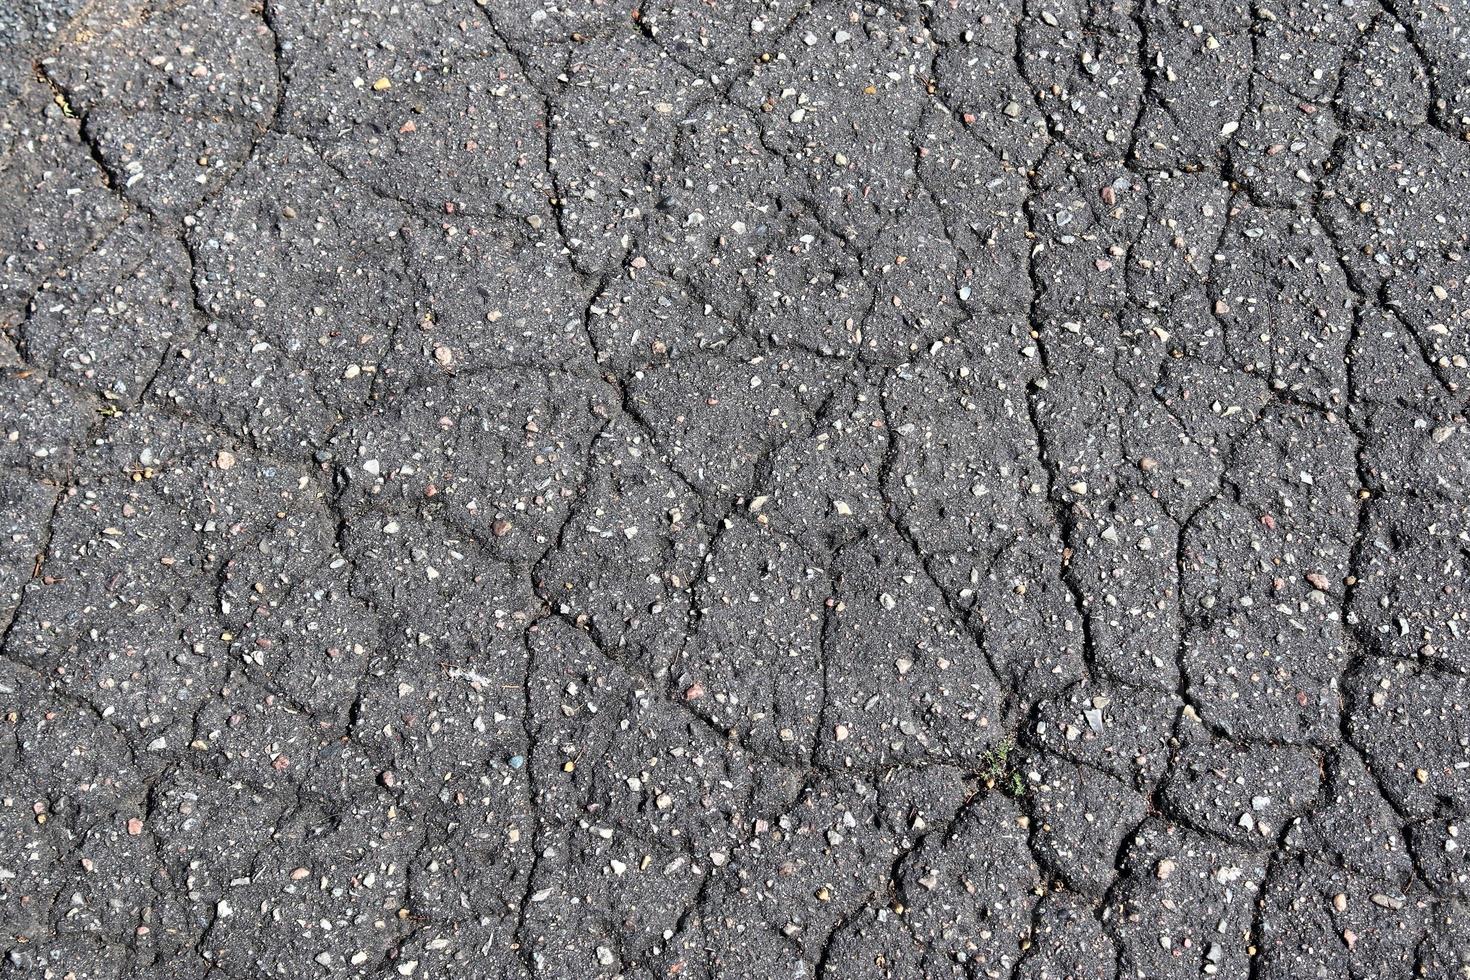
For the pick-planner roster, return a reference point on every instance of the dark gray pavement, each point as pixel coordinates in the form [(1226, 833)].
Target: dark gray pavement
[(742, 489)]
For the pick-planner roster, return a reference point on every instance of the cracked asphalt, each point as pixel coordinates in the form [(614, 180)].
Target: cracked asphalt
[(756, 489)]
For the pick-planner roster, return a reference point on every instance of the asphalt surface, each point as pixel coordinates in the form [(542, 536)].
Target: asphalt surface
[(744, 489)]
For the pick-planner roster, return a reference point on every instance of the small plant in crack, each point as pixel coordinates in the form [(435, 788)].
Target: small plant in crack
[(57, 95), (1000, 769)]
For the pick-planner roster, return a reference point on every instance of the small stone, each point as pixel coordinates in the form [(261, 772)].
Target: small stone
[(225, 459), (382, 85)]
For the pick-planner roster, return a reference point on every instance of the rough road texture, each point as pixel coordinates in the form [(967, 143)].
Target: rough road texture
[(750, 489)]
